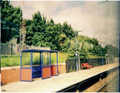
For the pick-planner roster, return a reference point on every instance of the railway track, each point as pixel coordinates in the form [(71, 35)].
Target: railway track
[(112, 86), (104, 82)]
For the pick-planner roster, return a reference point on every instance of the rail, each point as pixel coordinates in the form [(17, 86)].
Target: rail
[(101, 89)]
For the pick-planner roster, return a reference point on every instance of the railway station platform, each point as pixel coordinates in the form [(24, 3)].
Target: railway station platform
[(57, 83)]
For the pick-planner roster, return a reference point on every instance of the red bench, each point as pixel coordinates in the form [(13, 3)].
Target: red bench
[(86, 65)]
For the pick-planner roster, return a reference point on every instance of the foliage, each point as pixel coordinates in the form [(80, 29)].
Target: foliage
[(82, 50), (67, 30), (94, 41), (111, 51), (48, 34), (10, 61), (97, 49), (29, 32), (93, 55), (11, 18)]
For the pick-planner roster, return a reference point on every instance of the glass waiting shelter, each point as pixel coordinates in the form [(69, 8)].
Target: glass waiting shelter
[(36, 63)]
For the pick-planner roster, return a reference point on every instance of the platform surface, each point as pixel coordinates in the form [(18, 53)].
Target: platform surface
[(56, 83)]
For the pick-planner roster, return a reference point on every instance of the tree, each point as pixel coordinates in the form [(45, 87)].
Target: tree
[(29, 32), (94, 41), (67, 30), (11, 18), (72, 49), (52, 33), (35, 29), (97, 49), (82, 52), (111, 50), (42, 33)]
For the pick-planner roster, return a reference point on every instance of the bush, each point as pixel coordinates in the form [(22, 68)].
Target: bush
[(10, 61)]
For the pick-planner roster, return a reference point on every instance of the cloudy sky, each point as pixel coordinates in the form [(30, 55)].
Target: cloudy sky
[(98, 19)]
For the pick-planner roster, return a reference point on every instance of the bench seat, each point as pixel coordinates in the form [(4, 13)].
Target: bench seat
[(86, 65)]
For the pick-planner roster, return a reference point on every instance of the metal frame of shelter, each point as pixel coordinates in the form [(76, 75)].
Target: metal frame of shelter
[(28, 73)]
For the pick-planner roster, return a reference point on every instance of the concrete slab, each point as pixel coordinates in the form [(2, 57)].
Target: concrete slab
[(56, 83)]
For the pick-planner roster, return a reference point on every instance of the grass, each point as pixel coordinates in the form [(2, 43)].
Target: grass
[(62, 57), (93, 55), (15, 60), (26, 59), (10, 61)]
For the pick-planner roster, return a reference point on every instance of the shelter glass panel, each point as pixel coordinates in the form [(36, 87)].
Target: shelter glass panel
[(36, 59), (53, 59), (26, 59), (46, 59)]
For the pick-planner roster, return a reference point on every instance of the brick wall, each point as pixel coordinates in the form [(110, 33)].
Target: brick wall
[(10, 75), (61, 68)]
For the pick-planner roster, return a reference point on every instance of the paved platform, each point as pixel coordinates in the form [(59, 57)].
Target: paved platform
[(56, 83)]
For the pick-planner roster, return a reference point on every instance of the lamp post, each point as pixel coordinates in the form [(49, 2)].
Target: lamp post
[(101, 53), (76, 48), (113, 53)]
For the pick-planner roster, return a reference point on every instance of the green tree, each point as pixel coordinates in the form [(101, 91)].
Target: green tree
[(111, 50), (66, 45), (52, 33), (81, 50), (94, 41), (83, 54), (11, 18), (29, 34), (72, 49), (67, 30), (35, 30), (48, 34), (97, 49)]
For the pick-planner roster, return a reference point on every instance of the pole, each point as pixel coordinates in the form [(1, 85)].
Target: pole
[(79, 61), (101, 52), (76, 52)]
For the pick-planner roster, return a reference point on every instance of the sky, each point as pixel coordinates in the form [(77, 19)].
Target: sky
[(97, 19)]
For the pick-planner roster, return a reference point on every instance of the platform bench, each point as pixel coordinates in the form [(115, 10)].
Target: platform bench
[(85, 65)]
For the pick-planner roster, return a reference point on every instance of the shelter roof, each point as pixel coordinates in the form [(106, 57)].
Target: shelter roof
[(37, 50)]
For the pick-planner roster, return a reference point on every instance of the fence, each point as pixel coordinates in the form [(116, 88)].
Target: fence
[(8, 48), (71, 63), (12, 49)]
